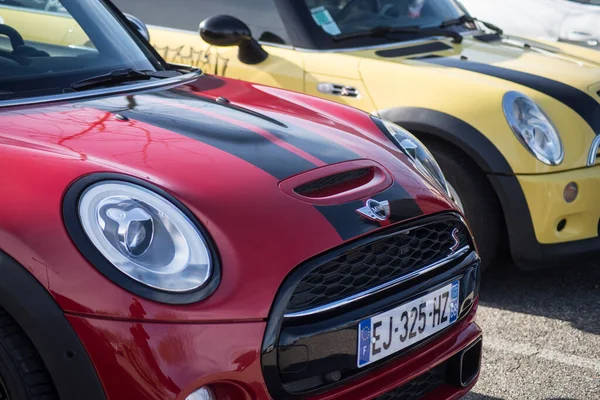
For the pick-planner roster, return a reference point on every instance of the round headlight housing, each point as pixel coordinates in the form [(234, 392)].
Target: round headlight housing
[(417, 153), (148, 242), (533, 128)]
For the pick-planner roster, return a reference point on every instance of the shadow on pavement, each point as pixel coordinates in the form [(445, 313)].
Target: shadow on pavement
[(570, 294), (477, 396)]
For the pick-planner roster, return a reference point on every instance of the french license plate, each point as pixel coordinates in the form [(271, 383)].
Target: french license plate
[(394, 330)]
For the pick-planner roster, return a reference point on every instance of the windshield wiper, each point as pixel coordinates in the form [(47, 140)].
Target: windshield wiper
[(120, 76), (412, 30), (465, 19)]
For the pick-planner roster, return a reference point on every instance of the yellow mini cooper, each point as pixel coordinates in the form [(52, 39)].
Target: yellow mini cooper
[(513, 122)]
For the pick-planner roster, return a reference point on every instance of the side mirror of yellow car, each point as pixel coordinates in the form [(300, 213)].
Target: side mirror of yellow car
[(225, 30)]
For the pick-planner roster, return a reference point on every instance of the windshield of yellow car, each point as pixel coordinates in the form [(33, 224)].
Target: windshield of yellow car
[(46, 46), (341, 17)]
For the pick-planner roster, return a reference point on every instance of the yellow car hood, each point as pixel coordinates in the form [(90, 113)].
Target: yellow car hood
[(468, 81), (565, 64)]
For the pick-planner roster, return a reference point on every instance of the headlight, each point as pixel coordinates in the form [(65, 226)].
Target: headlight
[(143, 235), (533, 128), (416, 151)]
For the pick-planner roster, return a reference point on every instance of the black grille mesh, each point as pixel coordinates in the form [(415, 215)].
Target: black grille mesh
[(377, 262), (337, 179), (418, 387)]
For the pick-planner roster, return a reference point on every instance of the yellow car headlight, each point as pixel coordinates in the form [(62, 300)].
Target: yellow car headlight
[(533, 128)]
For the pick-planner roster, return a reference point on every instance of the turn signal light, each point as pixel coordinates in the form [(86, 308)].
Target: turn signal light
[(571, 191)]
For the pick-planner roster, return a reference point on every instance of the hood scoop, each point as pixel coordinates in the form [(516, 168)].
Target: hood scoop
[(338, 183)]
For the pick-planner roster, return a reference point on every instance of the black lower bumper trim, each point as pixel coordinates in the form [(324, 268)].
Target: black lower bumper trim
[(419, 387), (443, 374)]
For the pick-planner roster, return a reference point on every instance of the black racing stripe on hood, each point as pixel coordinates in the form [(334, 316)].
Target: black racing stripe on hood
[(349, 224), (257, 150), (235, 140), (582, 103), (308, 141), (412, 50)]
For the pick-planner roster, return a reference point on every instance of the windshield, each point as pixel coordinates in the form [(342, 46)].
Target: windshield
[(336, 17), (48, 45)]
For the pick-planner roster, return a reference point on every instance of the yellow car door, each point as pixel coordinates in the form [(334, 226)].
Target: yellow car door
[(173, 27), (325, 78)]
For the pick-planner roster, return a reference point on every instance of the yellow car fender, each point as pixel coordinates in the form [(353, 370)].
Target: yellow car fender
[(474, 99)]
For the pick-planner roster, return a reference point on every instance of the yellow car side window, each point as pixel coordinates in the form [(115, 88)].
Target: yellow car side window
[(45, 22)]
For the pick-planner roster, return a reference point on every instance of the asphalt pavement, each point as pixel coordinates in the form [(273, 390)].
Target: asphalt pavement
[(541, 334)]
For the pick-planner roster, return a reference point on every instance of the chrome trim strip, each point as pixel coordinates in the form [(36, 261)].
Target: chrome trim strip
[(373, 47), (594, 152), (116, 90), (277, 45), (196, 33), (384, 286), (398, 44), (342, 50), (169, 29)]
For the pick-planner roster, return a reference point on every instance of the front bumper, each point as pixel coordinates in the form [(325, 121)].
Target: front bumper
[(544, 230), (145, 360)]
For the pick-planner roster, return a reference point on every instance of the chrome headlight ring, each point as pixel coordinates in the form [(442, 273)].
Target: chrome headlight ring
[(533, 128), (141, 238)]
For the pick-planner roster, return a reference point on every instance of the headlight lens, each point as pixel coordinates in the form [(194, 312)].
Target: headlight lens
[(533, 128), (417, 152), (145, 236)]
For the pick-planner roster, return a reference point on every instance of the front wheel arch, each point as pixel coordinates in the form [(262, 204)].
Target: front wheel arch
[(32, 307), (446, 127)]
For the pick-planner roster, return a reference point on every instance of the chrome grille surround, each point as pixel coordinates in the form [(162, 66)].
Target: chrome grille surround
[(396, 273)]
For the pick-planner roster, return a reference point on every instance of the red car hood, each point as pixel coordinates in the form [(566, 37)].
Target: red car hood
[(224, 159)]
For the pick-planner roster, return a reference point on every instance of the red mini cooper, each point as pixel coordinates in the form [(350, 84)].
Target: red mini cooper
[(170, 235)]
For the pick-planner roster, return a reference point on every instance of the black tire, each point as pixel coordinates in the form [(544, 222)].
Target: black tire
[(481, 206), (23, 375)]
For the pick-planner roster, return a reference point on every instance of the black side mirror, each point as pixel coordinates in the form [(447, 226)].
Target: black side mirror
[(139, 25), (225, 30)]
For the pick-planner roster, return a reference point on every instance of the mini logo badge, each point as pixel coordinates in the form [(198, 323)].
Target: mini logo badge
[(375, 210), (456, 244)]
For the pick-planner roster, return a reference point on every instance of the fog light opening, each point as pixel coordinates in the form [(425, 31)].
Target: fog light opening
[(333, 377), (561, 225), (204, 393), (470, 362), (571, 191)]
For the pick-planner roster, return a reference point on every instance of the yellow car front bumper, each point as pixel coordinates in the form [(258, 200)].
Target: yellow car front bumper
[(554, 219), (543, 228)]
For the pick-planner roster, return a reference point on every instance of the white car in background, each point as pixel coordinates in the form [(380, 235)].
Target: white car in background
[(574, 21)]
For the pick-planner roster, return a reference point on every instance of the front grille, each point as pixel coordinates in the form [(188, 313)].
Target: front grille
[(418, 387), (377, 262), (311, 350)]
